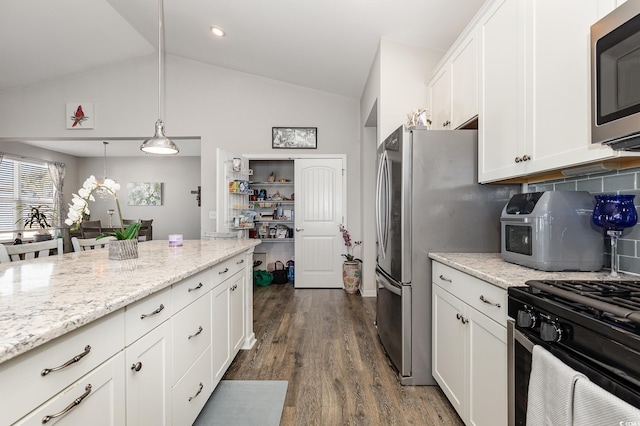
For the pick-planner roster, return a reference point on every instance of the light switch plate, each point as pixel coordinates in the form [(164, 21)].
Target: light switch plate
[(212, 214)]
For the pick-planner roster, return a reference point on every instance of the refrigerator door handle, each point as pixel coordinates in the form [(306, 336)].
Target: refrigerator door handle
[(378, 207), (387, 285), (387, 173)]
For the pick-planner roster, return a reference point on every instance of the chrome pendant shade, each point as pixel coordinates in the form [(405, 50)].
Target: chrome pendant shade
[(159, 143)]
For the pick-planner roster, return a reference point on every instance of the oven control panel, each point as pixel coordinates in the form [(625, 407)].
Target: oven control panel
[(548, 328)]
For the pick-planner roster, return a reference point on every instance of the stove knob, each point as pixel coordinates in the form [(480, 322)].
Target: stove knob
[(550, 332), (526, 319)]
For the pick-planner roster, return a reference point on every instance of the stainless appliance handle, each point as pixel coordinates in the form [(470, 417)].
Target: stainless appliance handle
[(513, 336), (392, 288), (378, 195), (387, 217), (518, 219)]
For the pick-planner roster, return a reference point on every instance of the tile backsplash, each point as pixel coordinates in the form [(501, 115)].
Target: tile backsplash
[(616, 182)]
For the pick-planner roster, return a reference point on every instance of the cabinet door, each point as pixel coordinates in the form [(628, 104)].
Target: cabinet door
[(487, 383), (441, 100), (449, 346), (236, 312), (219, 331), (148, 371), (501, 125), (464, 82), (102, 399), (191, 335)]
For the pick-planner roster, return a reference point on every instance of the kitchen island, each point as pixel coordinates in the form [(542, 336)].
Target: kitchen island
[(128, 310)]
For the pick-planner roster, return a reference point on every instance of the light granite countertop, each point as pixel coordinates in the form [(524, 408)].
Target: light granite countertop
[(45, 298), (491, 268)]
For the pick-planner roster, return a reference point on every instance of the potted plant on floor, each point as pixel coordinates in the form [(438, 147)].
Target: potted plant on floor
[(351, 266), (37, 216)]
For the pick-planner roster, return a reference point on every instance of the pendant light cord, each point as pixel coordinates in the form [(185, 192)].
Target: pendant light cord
[(104, 143), (160, 48)]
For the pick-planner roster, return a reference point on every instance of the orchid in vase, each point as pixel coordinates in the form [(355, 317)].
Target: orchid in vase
[(79, 208), (349, 245)]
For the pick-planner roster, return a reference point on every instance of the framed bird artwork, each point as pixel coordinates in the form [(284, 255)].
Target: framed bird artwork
[(80, 115)]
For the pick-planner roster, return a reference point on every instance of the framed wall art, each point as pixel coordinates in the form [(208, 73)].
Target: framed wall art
[(294, 137), (144, 194), (80, 115)]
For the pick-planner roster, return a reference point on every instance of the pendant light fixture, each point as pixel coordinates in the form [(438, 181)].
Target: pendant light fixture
[(101, 192), (159, 143)]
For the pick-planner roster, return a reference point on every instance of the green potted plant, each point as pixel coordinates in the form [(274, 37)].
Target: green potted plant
[(351, 266), (37, 217)]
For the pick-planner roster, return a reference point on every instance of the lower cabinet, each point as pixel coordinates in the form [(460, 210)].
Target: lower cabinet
[(148, 365), (96, 399), (470, 346)]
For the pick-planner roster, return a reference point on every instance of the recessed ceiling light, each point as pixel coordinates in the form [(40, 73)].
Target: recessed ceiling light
[(217, 31)]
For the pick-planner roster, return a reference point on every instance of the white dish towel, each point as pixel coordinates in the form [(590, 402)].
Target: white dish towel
[(551, 386), (594, 406)]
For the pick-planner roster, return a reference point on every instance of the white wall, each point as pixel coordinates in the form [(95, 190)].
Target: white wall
[(225, 108)]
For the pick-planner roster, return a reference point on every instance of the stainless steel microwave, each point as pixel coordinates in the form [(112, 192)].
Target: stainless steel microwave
[(615, 78)]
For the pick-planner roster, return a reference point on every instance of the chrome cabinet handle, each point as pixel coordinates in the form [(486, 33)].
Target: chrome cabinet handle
[(518, 159), (136, 367), (234, 287), (197, 393), (240, 262), (196, 333), (299, 229), (198, 287), (526, 158), (73, 360), (446, 123), (69, 407), (157, 311), (489, 302), (443, 278), (223, 272)]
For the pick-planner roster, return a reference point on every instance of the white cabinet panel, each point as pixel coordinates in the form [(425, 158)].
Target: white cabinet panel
[(148, 378), (441, 100), (191, 335), (101, 394), (220, 356), (464, 82), (236, 312), (191, 393)]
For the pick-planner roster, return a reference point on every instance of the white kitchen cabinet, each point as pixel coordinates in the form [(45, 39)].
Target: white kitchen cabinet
[(534, 98), (469, 345), (464, 81), (441, 99), (236, 312), (96, 399), (220, 353), (148, 378)]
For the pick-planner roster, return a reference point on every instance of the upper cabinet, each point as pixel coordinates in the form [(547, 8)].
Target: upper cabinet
[(534, 112), (522, 66), (454, 86)]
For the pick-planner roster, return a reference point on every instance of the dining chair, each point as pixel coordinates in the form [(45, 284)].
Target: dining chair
[(82, 244), (29, 251), (90, 228), (144, 234)]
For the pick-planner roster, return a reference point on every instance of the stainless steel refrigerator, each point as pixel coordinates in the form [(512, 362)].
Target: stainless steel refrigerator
[(428, 200)]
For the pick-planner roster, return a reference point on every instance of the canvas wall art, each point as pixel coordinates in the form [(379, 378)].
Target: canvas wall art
[(144, 193), (80, 115)]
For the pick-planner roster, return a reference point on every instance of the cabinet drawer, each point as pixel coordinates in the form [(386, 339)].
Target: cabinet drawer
[(146, 314), (481, 295), (23, 387), (227, 268), (191, 335), (189, 289), (191, 393), (102, 403)]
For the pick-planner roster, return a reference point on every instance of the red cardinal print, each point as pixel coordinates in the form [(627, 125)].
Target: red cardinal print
[(78, 117)]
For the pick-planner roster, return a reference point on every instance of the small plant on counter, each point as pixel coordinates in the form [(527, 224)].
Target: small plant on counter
[(79, 208), (349, 245)]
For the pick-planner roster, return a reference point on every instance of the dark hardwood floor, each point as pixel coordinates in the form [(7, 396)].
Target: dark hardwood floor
[(324, 343)]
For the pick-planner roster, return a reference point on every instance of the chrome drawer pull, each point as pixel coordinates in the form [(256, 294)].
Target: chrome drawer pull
[(70, 407), (198, 287), (197, 393), (488, 302), (461, 318), (240, 262), (136, 367), (222, 272), (197, 332), (73, 360), (157, 311), (443, 278)]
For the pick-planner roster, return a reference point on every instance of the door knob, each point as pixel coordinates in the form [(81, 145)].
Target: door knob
[(299, 229)]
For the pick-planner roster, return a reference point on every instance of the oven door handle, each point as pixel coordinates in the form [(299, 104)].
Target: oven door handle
[(392, 288)]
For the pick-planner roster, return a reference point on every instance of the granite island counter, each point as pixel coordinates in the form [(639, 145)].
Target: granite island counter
[(47, 303)]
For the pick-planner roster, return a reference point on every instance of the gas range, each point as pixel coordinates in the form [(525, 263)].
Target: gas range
[(593, 326)]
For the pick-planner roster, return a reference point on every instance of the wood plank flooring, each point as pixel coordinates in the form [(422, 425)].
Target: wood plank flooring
[(325, 344)]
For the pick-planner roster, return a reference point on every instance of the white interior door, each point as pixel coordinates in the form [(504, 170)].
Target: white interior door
[(319, 209)]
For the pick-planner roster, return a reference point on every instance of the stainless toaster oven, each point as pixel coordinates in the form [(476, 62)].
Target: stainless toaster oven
[(552, 231)]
